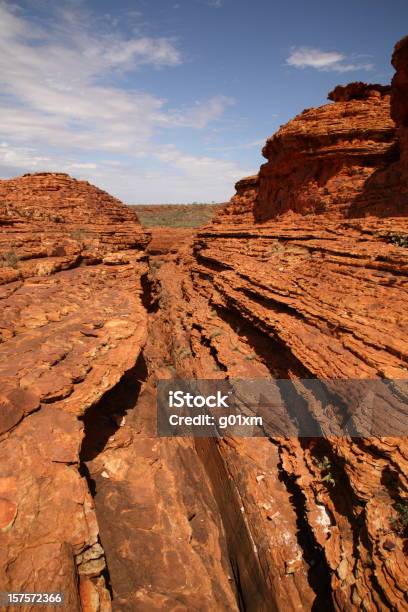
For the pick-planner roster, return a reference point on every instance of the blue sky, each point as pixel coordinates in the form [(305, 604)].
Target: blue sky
[(171, 100)]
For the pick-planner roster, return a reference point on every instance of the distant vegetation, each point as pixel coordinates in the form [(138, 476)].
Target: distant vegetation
[(175, 215)]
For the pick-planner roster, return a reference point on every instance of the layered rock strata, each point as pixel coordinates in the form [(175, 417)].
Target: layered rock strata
[(399, 103), (303, 276), (72, 322), (241, 207)]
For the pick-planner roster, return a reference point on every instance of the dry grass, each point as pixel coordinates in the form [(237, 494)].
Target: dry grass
[(175, 215)]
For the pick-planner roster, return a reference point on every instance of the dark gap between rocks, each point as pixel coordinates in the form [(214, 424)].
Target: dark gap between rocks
[(149, 301), (103, 419), (319, 574)]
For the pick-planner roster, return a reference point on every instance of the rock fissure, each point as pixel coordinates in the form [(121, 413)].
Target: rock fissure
[(302, 275)]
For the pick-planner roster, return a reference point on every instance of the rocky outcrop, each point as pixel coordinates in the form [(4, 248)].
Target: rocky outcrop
[(358, 91), (314, 519), (240, 209), (323, 160), (334, 160), (92, 503), (303, 275), (51, 222), (72, 322), (399, 103)]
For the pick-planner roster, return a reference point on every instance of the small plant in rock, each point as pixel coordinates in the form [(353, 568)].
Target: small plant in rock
[(9, 259), (326, 467), (79, 234), (216, 333), (400, 523), (400, 240)]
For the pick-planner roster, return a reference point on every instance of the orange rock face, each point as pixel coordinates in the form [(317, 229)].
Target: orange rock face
[(70, 326), (241, 207), (399, 105), (323, 160), (49, 222), (336, 159), (303, 275)]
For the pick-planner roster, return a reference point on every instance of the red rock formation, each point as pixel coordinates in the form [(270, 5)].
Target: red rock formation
[(303, 275), (49, 221), (241, 207), (317, 290), (67, 335), (166, 240), (321, 161), (358, 91), (399, 103), (73, 325)]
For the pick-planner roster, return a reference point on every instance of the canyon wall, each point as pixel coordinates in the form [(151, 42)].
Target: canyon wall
[(72, 323), (92, 503), (240, 209), (303, 275), (399, 103)]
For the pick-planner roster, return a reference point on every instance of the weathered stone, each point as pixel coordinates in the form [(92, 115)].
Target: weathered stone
[(303, 276), (68, 334)]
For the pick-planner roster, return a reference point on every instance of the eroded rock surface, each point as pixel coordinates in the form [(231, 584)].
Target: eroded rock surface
[(241, 207), (304, 275), (71, 323)]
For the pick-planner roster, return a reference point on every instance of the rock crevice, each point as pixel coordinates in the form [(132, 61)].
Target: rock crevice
[(301, 276)]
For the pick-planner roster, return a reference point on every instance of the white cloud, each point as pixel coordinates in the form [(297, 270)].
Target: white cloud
[(309, 57), (21, 157), (200, 114), (56, 88), (216, 3), (63, 106), (82, 166)]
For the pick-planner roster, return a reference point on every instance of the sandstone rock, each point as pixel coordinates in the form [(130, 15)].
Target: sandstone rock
[(50, 222), (8, 512), (358, 91), (68, 334), (167, 240), (303, 276), (399, 105), (241, 207), (321, 161)]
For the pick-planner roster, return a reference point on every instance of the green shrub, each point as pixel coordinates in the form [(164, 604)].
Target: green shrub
[(327, 470), (400, 240), (400, 523), (9, 260)]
